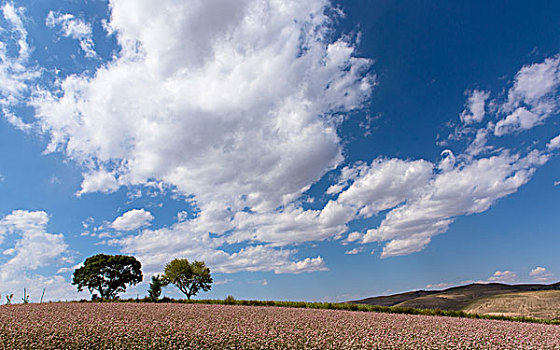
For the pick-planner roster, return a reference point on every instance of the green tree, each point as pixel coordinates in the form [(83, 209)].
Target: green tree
[(190, 278), (154, 291), (108, 274)]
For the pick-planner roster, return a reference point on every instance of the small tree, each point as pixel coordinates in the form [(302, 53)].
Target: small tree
[(190, 278), (155, 287), (108, 274)]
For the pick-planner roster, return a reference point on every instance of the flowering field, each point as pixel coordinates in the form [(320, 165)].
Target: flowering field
[(196, 326)]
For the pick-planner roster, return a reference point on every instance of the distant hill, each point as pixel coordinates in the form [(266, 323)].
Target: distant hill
[(456, 298), (543, 304)]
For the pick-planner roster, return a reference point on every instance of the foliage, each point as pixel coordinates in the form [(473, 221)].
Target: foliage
[(190, 278), (230, 300), (9, 299), (154, 292), (108, 274)]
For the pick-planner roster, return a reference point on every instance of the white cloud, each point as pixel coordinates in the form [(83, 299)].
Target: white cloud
[(33, 249), (520, 119), (535, 82), (261, 282), (132, 220), (154, 248), (554, 143), (475, 108), (467, 188), (134, 194), (222, 282), (354, 236), (74, 28), (384, 184), (503, 277), (238, 111), (10, 251), (479, 144), (69, 269), (14, 70), (533, 97), (354, 251), (541, 274), (442, 285), (88, 222), (251, 100), (182, 216), (101, 180), (508, 277)]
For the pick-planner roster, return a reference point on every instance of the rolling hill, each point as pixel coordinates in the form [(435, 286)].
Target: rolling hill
[(459, 298), (544, 304)]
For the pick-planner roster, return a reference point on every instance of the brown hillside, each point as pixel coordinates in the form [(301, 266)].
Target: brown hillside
[(394, 299), (540, 304), (455, 298)]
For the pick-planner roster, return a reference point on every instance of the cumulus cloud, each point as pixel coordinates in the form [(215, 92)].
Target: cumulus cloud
[(238, 111), (503, 277), (474, 110), (533, 97), (354, 251), (520, 119), (33, 248), (383, 184), (506, 276), (251, 101), (132, 220), (186, 239), (467, 188), (74, 28), (541, 274), (354, 236), (442, 285), (98, 181), (554, 143)]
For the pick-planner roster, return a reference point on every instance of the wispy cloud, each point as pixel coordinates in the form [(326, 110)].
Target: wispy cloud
[(71, 27), (541, 274), (33, 248)]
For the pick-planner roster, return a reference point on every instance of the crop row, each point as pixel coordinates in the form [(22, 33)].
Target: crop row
[(199, 326), (344, 306)]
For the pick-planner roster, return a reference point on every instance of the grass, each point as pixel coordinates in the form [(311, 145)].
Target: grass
[(347, 307), (543, 304)]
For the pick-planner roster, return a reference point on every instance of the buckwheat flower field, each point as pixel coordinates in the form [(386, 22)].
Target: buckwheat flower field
[(196, 326)]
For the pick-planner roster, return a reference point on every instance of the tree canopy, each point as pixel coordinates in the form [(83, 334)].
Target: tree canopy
[(108, 274), (190, 278), (158, 282)]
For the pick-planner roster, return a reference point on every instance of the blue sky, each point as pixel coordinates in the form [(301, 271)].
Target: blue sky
[(306, 150)]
